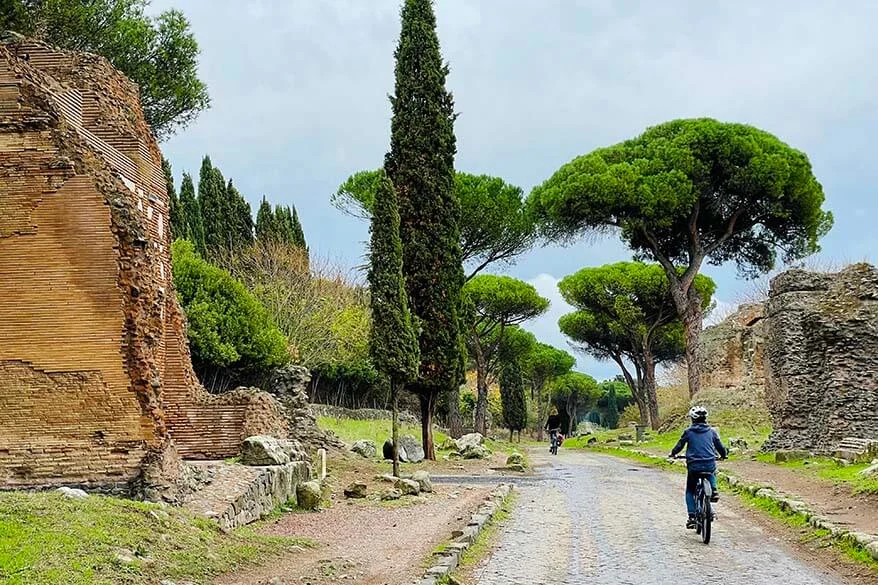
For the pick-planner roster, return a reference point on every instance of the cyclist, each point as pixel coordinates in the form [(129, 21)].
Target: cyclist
[(702, 445), (553, 425)]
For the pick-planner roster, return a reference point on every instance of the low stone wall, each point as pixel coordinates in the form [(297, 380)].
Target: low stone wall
[(238, 494), (361, 413)]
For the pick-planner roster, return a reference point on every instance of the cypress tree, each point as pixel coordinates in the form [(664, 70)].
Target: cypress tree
[(420, 165), (211, 196), (393, 343), (512, 396), (266, 229), (239, 219), (175, 212), (611, 418), (297, 232), (192, 226)]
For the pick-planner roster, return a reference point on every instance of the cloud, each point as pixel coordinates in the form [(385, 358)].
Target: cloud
[(299, 91), (546, 328)]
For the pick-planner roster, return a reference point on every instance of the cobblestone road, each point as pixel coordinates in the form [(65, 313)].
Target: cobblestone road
[(596, 519)]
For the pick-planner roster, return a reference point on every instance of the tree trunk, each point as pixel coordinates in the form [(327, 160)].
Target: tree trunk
[(455, 422), (394, 397), (636, 390), (541, 415), (688, 304), (649, 387), (427, 399), (481, 424)]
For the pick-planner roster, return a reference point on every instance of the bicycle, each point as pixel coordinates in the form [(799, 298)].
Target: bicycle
[(553, 437), (704, 515)]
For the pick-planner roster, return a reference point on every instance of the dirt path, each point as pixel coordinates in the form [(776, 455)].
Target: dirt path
[(365, 543)]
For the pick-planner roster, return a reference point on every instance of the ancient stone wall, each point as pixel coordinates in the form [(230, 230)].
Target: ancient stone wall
[(732, 351), (95, 375), (822, 350)]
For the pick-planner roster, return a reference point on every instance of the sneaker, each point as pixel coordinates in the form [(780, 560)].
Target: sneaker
[(690, 523), (714, 497)]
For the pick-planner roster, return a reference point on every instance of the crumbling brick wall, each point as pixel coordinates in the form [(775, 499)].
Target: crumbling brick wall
[(95, 374)]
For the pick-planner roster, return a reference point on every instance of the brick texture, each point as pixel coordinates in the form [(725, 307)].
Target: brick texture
[(95, 373)]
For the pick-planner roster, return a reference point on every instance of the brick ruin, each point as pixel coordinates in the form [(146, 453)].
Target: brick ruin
[(96, 382)]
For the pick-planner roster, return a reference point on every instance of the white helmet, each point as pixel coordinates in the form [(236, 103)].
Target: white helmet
[(698, 413)]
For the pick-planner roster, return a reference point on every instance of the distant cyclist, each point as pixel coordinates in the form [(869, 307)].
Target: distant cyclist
[(702, 445), (553, 425)]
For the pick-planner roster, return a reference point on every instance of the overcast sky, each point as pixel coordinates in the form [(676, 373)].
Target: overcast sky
[(299, 101)]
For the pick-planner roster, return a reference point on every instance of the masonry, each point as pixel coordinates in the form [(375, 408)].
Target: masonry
[(96, 380), (822, 350)]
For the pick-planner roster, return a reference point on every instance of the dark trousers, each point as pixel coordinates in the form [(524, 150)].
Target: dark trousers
[(692, 482)]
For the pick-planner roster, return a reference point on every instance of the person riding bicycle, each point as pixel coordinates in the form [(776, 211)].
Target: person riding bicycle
[(553, 425), (702, 445)]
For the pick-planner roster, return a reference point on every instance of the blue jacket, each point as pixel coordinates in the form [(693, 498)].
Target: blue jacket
[(702, 444)]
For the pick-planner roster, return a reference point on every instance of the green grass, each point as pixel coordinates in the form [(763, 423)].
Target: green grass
[(46, 538), (664, 442), (828, 469), (350, 430)]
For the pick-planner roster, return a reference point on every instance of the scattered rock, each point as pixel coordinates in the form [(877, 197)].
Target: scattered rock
[(470, 440), (414, 453), (356, 490), (365, 448), (475, 452), (387, 451), (424, 482), (126, 557), (262, 450), (448, 445), (408, 487), (391, 494), (869, 471), (625, 438), (626, 443), (790, 455), (386, 477), (591, 441), (739, 444), (516, 467), (73, 493), (515, 458), (308, 495)]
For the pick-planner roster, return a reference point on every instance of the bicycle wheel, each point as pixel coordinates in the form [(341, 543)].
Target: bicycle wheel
[(707, 513)]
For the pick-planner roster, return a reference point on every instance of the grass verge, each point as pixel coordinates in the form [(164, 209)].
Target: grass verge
[(46, 538)]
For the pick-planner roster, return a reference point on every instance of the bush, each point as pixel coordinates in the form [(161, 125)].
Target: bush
[(228, 327)]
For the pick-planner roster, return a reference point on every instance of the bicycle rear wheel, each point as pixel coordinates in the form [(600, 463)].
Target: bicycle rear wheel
[(707, 512)]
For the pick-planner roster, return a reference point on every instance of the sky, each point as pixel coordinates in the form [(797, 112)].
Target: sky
[(299, 102)]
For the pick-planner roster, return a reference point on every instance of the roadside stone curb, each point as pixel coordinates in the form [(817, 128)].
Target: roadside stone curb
[(868, 542), (449, 558)]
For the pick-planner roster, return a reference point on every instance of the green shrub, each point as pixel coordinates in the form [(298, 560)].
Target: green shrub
[(228, 327)]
